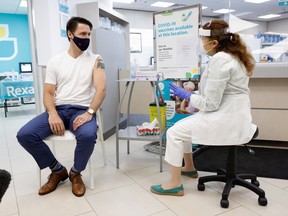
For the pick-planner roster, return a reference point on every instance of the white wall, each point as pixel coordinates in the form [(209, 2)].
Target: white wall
[(47, 27), (141, 22), (260, 28), (280, 26)]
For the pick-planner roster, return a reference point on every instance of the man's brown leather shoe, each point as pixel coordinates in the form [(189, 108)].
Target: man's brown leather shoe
[(53, 181), (78, 186)]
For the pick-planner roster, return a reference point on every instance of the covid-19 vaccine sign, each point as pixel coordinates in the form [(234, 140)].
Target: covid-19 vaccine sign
[(176, 38)]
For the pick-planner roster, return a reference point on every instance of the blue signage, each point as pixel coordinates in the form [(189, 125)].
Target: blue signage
[(283, 3), (16, 89)]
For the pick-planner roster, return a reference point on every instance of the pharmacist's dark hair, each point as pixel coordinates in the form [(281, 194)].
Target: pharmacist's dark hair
[(230, 43), (73, 23)]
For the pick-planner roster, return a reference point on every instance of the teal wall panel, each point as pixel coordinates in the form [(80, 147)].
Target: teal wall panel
[(14, 41)]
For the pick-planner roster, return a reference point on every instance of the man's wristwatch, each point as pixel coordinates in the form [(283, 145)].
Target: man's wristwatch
[(90, 111)]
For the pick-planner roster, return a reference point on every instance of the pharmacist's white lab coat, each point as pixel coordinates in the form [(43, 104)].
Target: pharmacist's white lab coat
[(225, 112), (224, 104)]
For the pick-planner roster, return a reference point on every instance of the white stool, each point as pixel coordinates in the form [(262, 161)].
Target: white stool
[(69, 136)]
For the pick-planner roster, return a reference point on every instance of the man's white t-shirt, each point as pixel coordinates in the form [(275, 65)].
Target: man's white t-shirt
[(73, 78)]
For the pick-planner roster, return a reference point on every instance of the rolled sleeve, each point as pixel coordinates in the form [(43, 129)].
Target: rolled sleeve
[(50, 75)]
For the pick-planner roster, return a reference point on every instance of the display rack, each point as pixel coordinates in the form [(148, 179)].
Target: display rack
[(130, 132)]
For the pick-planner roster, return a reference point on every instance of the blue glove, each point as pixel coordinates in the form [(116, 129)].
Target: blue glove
[(180, 92)]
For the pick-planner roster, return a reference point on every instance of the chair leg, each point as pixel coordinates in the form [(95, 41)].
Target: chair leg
[(205, 179), (90, 162), (227, 188), (101, 138), (252, 177), (91, 173), (103, 151), (39, 178), (250, 186)]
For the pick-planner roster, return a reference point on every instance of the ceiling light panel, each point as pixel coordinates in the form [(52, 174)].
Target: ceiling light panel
[(224, 11), (269, 16), (256, 1), (162, 4), (124, 1)]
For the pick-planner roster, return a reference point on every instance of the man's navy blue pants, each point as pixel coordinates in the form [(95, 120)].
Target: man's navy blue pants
[(31, 136)]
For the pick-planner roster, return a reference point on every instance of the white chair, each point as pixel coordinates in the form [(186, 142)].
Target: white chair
[(69, 136)]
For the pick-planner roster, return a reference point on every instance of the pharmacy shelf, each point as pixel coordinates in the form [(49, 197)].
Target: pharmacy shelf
[(130, 132)]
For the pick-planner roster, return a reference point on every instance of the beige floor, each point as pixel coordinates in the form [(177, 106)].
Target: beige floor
[(123, 191)]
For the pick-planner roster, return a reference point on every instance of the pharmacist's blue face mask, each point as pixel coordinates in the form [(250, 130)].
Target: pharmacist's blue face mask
[(81, 43)]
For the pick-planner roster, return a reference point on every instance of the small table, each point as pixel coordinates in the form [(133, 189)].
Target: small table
[(15, 89), (130, 133)]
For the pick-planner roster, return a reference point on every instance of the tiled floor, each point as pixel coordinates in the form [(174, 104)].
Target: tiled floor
[(123, 191)]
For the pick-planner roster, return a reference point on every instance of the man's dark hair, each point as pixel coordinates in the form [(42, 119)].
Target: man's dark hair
[(73, 23)]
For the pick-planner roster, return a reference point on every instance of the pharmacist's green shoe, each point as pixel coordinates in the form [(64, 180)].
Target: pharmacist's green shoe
[(191, 174), (157, 189)]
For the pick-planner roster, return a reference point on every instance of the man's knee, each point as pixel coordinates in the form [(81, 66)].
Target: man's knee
[(24, 136), (21, 135), (88, 138)]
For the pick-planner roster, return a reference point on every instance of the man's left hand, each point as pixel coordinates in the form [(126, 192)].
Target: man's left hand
[(81, 119)]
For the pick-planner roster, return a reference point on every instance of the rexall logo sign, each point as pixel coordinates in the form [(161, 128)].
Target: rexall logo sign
[(8, 46), (15, 92)]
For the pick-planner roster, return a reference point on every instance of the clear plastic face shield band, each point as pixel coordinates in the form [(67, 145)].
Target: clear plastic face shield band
[(213, 32), (208, 33), (204, 33)]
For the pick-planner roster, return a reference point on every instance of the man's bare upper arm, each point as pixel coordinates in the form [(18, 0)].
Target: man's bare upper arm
[(99, 77), (49, 89)]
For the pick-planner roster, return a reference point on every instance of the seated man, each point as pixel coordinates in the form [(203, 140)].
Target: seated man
[(75, 87)]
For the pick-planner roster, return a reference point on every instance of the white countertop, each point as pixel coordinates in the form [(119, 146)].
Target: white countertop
[(271, 70)]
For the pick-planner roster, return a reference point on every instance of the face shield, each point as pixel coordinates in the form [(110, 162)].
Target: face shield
[(220, 34), (202, 34), (213, 32)]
